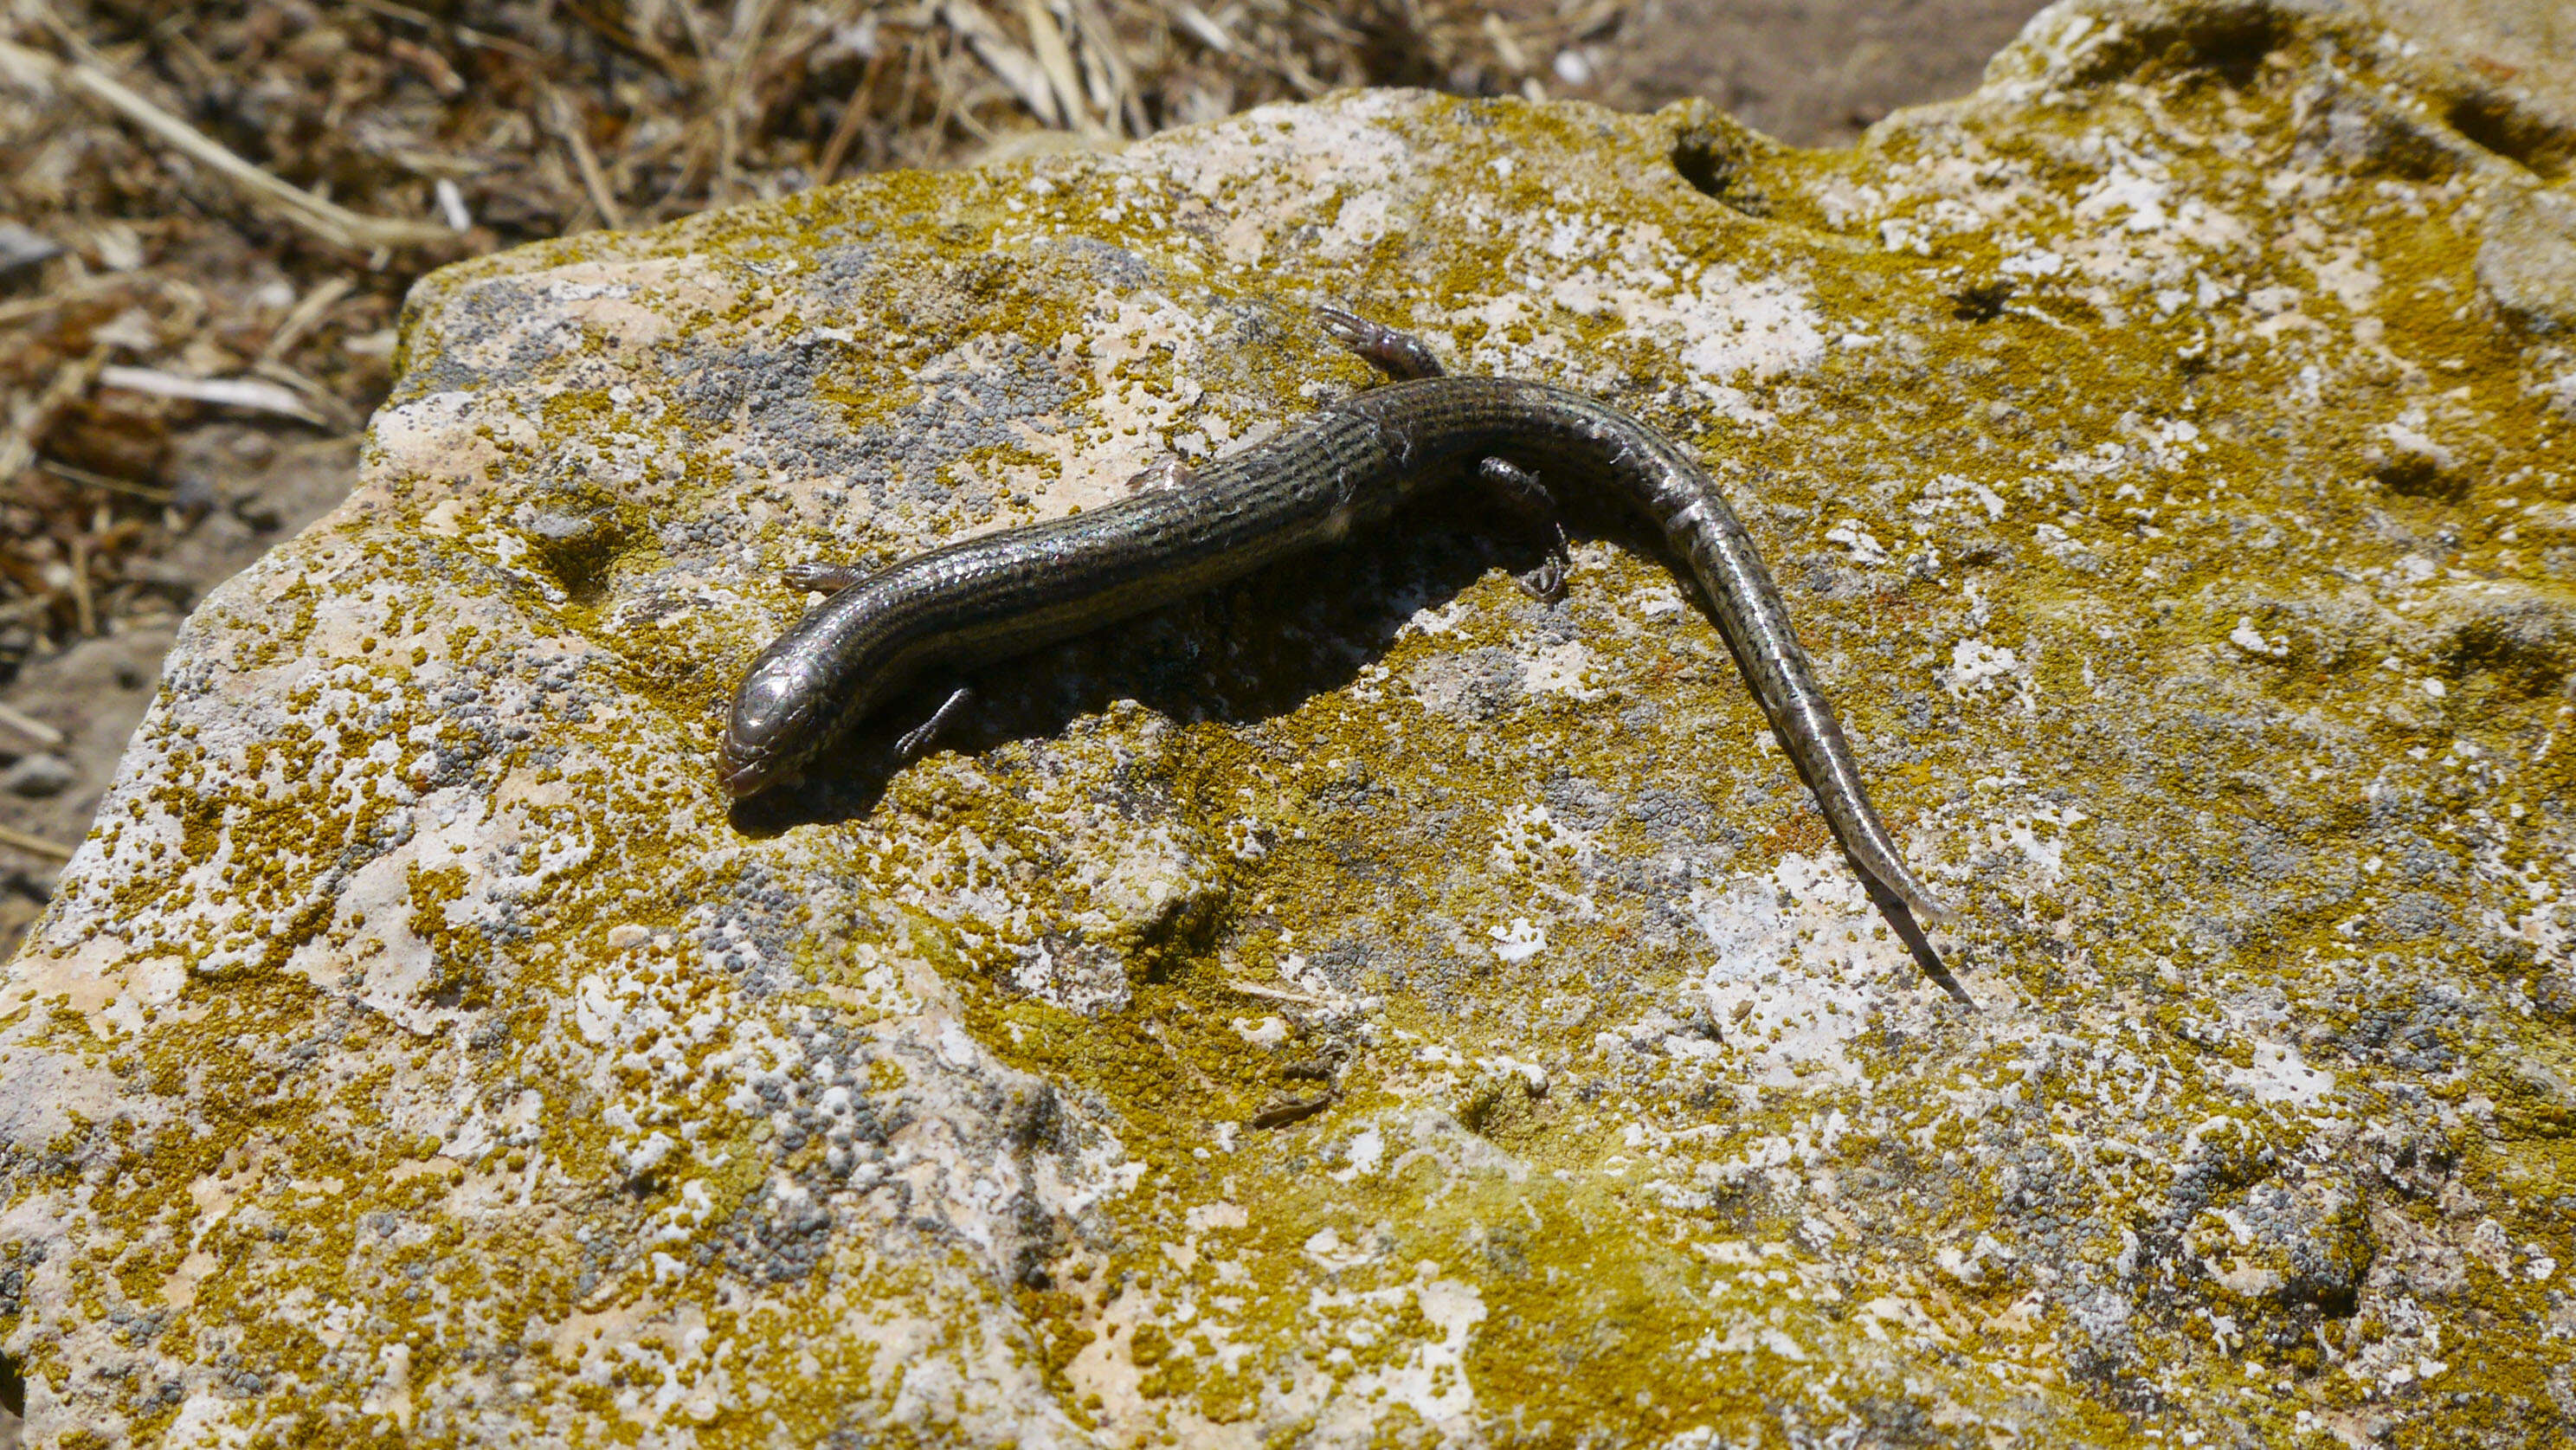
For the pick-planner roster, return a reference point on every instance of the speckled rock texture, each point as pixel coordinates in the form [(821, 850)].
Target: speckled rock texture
[(1364, 1005)]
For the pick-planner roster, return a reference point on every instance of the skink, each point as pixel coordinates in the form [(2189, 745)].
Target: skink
[(1000, 594)]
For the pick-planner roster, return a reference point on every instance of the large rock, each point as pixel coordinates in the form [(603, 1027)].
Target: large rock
[(2175, 501)]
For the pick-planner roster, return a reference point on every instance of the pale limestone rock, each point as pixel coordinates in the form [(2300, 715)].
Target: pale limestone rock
[(2528, 259), (2172, 484)]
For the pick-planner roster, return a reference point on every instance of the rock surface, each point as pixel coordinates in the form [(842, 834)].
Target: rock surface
[(88, 699), (1365, 1005)]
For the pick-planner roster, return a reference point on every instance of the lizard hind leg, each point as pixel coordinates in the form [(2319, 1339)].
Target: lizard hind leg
[(1400, 355), (1405, 358), (1528, 500)]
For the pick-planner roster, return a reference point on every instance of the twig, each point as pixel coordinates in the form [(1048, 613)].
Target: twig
[(307, 315), (567, 128), (330, 221), (741, 50), (465, 34), (150, 492), (678, 67), (945, 104), (34, 845), (79, 291), (1014, 67), (1201, 27), (335, 414), (265, 397), (31, 727), (695, 28), (1104, 59), (907, 93), (1056, 59), (451, 204), (34, 419), (853, 115), (428, 64), (84, 605)]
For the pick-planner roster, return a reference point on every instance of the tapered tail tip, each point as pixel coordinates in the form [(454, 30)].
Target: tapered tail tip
[(1927, 909)]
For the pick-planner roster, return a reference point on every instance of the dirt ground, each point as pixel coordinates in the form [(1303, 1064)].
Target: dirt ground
[(79, 660), (1810, 74)]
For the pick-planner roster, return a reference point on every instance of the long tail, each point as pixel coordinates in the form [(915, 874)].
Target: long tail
[(1756, 624)]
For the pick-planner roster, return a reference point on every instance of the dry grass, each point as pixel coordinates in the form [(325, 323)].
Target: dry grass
[(214, 210)]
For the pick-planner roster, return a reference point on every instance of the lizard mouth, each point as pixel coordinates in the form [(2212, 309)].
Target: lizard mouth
[(745, 774)]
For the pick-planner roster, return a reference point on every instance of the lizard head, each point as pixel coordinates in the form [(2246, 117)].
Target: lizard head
[(771, 731)]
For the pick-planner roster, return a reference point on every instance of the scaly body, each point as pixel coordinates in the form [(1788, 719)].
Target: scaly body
[(1350, 468)]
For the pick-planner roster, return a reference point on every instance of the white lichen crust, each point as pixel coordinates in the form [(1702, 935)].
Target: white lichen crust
[(1364, 1005)]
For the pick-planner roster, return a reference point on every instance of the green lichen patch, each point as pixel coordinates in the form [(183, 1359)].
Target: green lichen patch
[(1362, 1004)]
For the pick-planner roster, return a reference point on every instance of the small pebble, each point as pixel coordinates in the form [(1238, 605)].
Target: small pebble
[(38, 776)]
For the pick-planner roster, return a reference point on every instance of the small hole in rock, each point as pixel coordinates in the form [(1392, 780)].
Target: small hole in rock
[(2513, 132), (2228, 45), (2234, 54), (1983, 302), (2421, 478), (1715, 167)]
